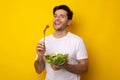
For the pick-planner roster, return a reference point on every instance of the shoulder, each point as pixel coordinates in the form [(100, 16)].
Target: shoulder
[(75, 37), (49, 37)]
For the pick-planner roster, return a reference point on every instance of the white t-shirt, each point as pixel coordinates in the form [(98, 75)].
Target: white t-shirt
[(69, 44)]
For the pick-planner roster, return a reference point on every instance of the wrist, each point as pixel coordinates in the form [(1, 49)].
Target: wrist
[(66, 65), (39, 59)]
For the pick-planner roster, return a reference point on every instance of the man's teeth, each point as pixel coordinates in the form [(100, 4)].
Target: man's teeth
[(57, 23)]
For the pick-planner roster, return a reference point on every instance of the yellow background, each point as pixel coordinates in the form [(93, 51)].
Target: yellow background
[(22, 23)]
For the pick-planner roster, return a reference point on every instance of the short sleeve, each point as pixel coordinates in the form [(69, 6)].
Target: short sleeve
[(81, 52)]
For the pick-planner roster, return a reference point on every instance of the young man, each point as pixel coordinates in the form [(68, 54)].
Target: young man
[(62, 41)]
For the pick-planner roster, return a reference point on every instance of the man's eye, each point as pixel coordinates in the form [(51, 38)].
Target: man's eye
[(62, 16)]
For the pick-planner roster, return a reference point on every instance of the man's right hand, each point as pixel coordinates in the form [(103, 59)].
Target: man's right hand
[(40, 49)]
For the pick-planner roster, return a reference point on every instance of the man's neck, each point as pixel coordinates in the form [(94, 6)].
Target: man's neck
[(60, 34)]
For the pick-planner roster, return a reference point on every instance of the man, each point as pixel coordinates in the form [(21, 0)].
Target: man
[(62, 41)]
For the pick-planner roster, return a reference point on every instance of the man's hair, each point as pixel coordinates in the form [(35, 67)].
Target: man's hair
[(66, 8)]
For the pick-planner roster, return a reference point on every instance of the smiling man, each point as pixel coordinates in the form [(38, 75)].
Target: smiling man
[(62, 41)]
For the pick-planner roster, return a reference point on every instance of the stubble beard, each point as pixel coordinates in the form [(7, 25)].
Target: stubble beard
[(62, 27)]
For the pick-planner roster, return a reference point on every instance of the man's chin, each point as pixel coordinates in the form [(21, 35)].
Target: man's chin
[(57, 28)]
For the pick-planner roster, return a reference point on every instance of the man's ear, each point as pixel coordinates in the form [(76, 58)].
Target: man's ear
[(69, 22)]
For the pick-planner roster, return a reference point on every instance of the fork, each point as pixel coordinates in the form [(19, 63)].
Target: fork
[(44, 32)]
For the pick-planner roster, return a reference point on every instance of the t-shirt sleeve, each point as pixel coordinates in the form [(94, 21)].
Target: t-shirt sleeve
[(81, 50)]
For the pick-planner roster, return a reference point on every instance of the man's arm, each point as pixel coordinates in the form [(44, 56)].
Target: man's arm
[(39, 65), (79, 68)]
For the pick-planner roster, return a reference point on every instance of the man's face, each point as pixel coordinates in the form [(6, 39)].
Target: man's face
[(60, 20)]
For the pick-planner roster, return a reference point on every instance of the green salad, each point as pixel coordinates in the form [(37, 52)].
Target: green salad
[(56, 59)]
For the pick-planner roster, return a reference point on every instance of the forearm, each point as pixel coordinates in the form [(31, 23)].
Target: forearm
[(39, 65), (77, 68)]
